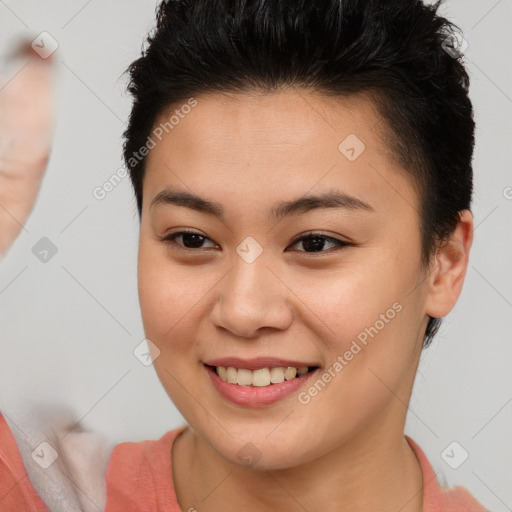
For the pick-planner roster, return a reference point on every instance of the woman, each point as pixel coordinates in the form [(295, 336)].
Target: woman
[(303, 177)]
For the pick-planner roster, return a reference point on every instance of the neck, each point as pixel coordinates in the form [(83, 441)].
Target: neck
[(375, 469)]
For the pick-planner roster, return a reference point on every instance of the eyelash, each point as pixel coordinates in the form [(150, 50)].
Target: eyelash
[(170, 239)]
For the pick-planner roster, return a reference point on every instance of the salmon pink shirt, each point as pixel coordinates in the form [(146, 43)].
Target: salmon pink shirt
[(139, 479)]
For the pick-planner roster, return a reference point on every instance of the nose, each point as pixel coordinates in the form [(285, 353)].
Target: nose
[(252, 298)]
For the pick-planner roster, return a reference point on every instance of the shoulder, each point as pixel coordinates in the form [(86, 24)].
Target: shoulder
[(140, 455), (439, 498), (139, 476), (16, 491)]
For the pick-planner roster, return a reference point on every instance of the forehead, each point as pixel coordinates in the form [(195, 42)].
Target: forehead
[(271, 145), (295, 118)]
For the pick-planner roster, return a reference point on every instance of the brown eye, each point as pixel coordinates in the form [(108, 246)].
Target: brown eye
[(190, 239), (316, 242)]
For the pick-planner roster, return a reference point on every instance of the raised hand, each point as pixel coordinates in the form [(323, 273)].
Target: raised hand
[(26, 130)]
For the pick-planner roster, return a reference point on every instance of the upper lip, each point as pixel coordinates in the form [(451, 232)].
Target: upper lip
[(257, 363)]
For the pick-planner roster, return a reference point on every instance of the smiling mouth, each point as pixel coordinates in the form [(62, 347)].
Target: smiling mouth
[(262, 377)]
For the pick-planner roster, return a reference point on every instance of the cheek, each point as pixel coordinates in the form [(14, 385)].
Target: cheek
[(364, 318), (170, 297), (370, 352), (342, 305), (167, 301), (159, 288)]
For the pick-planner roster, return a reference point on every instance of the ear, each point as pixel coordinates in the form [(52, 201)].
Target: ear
[(448, 271)]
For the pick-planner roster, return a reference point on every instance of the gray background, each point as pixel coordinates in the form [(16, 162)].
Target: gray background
[(68, 327)]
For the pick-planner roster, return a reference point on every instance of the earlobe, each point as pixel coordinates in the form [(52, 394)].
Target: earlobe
[(448, 271)]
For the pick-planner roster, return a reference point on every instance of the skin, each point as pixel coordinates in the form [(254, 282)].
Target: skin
[(27, 118), (26, 129), (197, 307), (249, 151)]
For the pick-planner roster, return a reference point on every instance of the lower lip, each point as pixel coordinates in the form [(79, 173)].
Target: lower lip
[(254, 396)]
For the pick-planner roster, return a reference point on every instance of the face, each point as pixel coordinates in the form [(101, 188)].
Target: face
[(332, 284)]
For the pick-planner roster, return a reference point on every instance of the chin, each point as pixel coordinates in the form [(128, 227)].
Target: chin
[(261, 448)]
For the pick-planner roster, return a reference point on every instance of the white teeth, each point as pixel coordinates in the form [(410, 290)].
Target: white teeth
[(290, 373), (276, 375), (244, 377), (232, 374), (261, 377), (222, 372)]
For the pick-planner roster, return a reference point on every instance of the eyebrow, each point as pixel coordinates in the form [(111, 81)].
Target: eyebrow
[(300, 206)]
